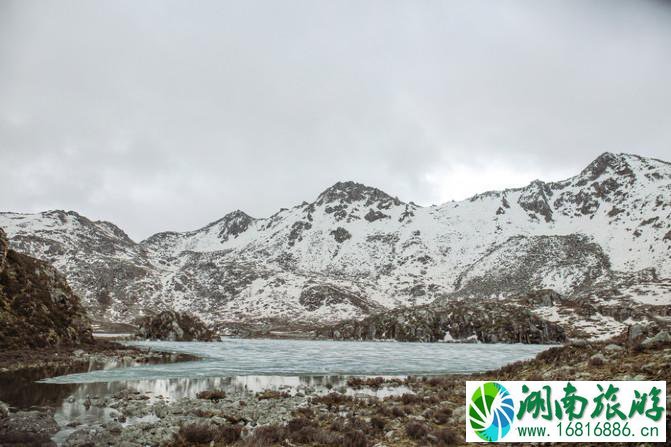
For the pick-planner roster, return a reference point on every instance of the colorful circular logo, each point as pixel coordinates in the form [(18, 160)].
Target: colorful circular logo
[(491, 411)]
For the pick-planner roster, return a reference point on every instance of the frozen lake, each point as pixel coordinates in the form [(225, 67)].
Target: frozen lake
[(257, 357), (247, 366)]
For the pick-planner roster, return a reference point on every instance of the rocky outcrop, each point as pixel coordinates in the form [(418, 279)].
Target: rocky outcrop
[(522, 263), (173, 326), (4, 248), (543, 297), (28, 428), (37, 307), (485, 321), (534, 200), (351, 192), (317, 296), (340, 235)]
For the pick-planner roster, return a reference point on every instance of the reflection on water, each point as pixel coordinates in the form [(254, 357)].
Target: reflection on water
[(178, 388), (19, 389), (75, 410)]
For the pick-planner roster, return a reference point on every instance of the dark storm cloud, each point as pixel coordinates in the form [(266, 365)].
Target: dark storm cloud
[(166, 115)]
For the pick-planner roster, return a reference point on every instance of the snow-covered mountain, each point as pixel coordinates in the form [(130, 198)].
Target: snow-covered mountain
[(356, 250)]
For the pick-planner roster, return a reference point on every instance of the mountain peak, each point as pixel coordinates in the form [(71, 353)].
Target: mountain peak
[(604, 162), (233, 224), (237, 214), (63, 214), (568, 235), (609, 157), (350, 192)]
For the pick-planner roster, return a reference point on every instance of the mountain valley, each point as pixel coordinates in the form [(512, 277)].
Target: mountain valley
[(600, 240)]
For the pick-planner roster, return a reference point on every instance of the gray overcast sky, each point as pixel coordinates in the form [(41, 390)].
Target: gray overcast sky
[(166, 115)]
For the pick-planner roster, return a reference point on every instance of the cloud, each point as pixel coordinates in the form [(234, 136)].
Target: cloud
[(167, 115)]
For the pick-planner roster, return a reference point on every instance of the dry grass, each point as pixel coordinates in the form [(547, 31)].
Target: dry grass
[(306, 412), (416, 430), (203, 433), (444, 437), (229, 434), (297, 424), (398, 412), (196, 434), (360, 382), (355, 439), (265, 436), (442, 415), (332, 399), (272, 394), (377, 423), (214, 395)]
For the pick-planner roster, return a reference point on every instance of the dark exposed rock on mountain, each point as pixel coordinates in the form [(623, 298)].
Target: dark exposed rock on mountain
[(587, 232), (623, 304), (535, 201), (173, 326), (341, 235), (320, 295), (37, 307), (544, 297), (524, 263), (485, 320), (232, 225), (352, 192)]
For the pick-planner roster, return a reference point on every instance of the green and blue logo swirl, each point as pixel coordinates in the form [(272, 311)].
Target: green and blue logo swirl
[(491, 411)]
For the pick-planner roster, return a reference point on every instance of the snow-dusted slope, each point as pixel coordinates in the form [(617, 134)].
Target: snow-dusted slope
[(355, 249)]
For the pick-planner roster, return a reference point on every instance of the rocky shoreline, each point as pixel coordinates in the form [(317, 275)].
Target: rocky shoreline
[(366, 412), (27, 419), (89, 355)]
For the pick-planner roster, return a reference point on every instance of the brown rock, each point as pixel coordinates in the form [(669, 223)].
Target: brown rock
[(37, 306), (174, 326)]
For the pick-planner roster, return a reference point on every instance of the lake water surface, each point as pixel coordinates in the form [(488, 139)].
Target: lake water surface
[(244, 367), (295, 358)]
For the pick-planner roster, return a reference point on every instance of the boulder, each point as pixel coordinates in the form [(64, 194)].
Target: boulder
[(173, 326), (28, 428), (597, 359), (542, 297), (662, 337), (635, 333), (613, 348)]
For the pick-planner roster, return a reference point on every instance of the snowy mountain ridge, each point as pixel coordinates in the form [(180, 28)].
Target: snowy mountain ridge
[(355, 249)]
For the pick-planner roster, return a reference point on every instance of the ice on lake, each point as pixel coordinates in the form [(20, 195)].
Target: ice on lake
[(260, 357)]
